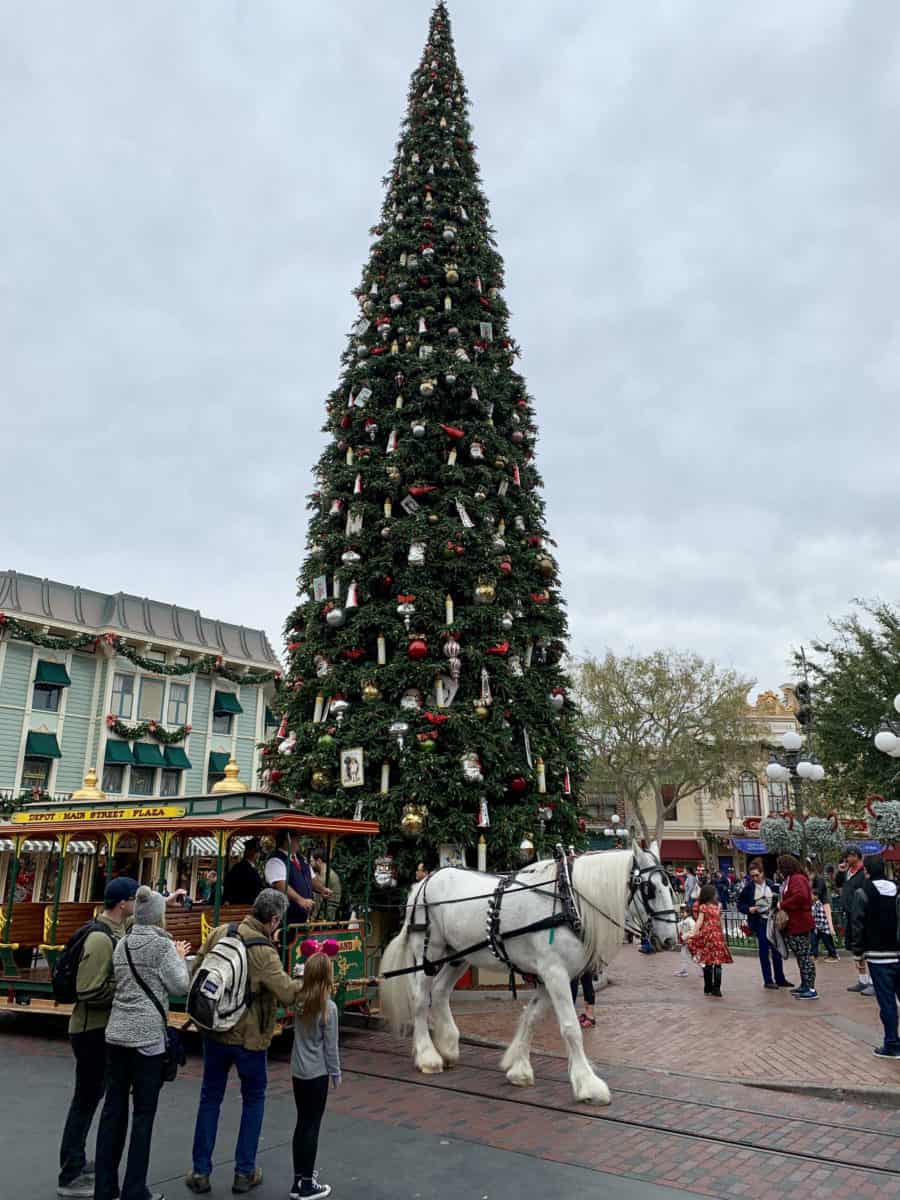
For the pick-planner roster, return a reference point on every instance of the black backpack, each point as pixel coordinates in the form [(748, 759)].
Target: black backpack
[(65, 969)]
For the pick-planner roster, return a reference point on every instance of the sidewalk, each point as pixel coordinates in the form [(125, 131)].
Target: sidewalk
[(648, 1017)]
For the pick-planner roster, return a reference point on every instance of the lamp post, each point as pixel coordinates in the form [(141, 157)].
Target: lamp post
[(729, 813), (887, 739), (792, 765)]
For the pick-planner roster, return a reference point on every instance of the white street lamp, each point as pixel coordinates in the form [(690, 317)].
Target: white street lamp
[(791, 740)]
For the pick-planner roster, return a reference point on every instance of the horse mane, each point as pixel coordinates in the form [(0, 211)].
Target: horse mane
[(601, 881)]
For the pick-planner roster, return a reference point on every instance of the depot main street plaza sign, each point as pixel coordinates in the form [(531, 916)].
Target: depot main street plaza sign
[(53, 816)]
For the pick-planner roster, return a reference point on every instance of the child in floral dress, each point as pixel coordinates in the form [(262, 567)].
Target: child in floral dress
[(707, 943)]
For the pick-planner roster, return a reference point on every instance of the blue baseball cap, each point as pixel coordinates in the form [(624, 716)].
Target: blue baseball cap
[(119, 889)]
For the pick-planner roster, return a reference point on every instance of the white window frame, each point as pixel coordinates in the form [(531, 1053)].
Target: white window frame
[(149, 677), (112, 695), (174, 721)]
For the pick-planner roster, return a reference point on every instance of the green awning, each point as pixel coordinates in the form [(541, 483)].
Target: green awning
[(176, 759), (42, 745), (218, 761), (226, 704), (148, 754), (118, 753), (51, 672)]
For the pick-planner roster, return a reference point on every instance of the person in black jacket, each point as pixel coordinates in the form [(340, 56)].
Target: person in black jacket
[(756, 901), (850, 877), (875, 943), (243, 882)]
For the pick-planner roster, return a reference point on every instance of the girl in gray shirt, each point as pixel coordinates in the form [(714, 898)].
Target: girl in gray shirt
[(314, 1061)]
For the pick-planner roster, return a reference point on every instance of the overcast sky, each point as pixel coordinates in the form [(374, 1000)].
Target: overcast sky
[(698, 208)]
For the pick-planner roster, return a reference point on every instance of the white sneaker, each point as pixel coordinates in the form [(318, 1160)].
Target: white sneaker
[(682, 974), (81, 1187)]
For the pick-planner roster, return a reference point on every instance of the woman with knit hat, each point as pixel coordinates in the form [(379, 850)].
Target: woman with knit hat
[(135, 1047)]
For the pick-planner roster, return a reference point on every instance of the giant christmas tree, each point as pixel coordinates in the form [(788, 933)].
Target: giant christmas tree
[(424, 687)]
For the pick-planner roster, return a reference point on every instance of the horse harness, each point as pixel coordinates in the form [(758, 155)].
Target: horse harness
[(566, 914), (641, 884)]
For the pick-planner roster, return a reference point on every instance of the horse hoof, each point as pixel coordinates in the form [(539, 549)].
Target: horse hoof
[(595, 1093), (449, 1061), (521, 1075), (430, 1064)]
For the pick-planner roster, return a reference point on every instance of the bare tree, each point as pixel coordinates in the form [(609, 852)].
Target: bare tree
[(664, 727)]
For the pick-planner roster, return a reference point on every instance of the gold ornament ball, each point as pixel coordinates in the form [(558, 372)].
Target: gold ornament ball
[(482, 712), (393, 473), (321, 781), (412, 822), (485, 593), (370, 692), (452, 273), (545, 566), (432, 518)]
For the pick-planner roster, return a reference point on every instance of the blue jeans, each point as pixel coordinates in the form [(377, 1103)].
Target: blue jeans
[(765, 948), (886, 982), (218, 1059), (827, 940)]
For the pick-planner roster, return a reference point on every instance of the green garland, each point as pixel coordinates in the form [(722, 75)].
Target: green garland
[(135, 732), (207, 664)]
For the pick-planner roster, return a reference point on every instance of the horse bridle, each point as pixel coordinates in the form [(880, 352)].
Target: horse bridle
[(641, 884)]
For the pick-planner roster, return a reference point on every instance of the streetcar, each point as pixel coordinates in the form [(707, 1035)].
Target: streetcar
[(55, 860)]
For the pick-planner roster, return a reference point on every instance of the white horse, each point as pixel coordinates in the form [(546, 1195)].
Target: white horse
[(615, 891)]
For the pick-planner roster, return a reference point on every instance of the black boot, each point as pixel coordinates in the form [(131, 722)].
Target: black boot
[(716, 981), (707, 981)]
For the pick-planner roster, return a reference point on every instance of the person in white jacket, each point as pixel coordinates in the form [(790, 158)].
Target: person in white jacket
[(686, 927)]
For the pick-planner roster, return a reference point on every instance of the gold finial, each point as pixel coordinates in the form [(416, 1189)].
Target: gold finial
[(230, 783), (89, 791)]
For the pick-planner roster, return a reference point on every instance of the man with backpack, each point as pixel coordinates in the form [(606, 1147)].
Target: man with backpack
[(875, 942), (237, 1016), (84, 974)]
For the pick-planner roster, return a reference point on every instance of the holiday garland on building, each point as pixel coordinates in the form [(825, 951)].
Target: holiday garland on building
[(425, 688), (206, 664), (132, 733)]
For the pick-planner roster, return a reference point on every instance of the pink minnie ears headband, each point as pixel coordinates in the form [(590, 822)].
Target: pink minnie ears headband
[(310, 947)]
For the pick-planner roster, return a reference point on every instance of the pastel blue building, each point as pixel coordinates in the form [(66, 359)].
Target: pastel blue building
[(111, 682)]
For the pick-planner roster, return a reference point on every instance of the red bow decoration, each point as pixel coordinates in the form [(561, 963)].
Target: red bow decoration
[(406, 599), (453, 432), (500, 648), (437, 719), (421, 489)]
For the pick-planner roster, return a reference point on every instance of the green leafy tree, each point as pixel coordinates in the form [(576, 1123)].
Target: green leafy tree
[(429, 595), (664, 727), (855, 676)]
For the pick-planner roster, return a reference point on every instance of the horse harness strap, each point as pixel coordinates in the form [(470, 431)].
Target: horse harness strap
[(567, 915)]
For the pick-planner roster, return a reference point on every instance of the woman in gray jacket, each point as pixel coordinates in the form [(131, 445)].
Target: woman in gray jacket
[(135, 1047)]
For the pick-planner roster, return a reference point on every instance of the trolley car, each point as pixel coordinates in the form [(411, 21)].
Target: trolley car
[(55, 860)]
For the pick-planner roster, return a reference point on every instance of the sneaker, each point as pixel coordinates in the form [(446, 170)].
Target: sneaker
[(195, 1182), (857, 987), (806, 994), (783, 983), (880, 1052), (680, 974), (771, 986), (868, 990), (246, 1183), (312, 1187), (82, 1185)]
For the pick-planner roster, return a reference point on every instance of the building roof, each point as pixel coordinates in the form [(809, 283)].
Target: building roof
[(66, 606)]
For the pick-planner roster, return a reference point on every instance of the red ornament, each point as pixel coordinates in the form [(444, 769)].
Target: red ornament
[(294, 646), (406, 599), (506, 567), (518, 784), (500, 648), (417, 649), (275, 775), (453, 432), (436, 719), (346, 421), (354, 655), (421, 489)]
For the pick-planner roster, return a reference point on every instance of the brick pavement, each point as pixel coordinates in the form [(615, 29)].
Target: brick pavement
[(649, 1017)]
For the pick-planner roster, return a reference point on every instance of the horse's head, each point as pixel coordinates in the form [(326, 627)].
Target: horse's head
[(652, 899)]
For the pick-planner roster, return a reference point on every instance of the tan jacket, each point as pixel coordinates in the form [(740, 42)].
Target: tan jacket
[(269, 982)]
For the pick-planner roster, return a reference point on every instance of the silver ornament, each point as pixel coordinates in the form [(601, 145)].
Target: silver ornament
[(335, 617)]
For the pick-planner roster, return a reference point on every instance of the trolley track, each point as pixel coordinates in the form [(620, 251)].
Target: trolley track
[(561, 1077), (771, 1135)]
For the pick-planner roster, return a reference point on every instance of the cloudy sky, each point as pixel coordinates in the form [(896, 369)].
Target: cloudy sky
[(698, 211)]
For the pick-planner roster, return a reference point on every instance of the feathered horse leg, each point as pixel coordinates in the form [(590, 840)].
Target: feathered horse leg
[(516, 1062), (586, 1085), (444, 1032)]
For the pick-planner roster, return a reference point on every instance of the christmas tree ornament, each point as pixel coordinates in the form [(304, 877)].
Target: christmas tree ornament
[(449, 233), (506, 621), (317, 550), (338, 706), (480, 496), (393, 474), (353, 595), (289, 745), (385, 778), (396, 302), (412, 821), (505, 566), (405, 608), (326, 741), (526, 849), (357, 485), (515, 666), (464, 518), (282, 729), (335, 617), (476, 452), (545, 566), (399, 730), (381, 650), (427, 386), (471, 767), (418, 429), (481, 710), (337, 507), (540, 775), (448, 609), (416, 555), (485, 592), (371, 428), (385, 871), (484, 817), (567, 783), (482, 853), (350, 558), (518, 785), (557, 698), (412, 700), (391, 446), (370, 692), (417, 649), (321, 780), (452, 651), (322, 664)]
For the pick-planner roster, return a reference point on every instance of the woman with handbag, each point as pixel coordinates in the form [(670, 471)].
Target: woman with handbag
[(795, 921), (148, 966)]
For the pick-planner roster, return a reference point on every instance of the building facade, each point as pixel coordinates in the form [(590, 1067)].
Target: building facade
[(155, 697)]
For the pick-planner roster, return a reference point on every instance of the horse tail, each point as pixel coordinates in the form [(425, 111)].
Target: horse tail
[(396, 995)]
